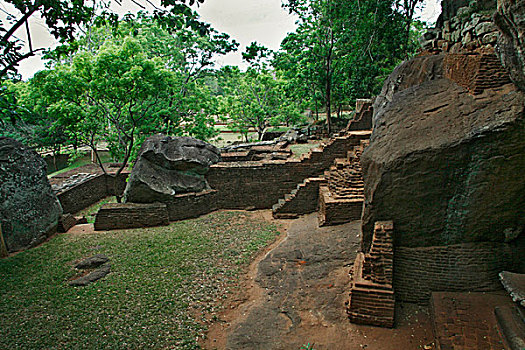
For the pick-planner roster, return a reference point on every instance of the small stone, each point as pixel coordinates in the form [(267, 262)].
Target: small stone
[(484, 28), (91, 277), (92, 262)]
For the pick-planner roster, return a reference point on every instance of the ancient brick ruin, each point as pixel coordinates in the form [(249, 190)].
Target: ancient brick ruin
[(235, 185), (372, 299), (129, 215), (341, 199)]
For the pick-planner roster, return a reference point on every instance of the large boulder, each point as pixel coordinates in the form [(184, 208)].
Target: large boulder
[(29, 209), (167, 166), (444, 164), (510, 19)]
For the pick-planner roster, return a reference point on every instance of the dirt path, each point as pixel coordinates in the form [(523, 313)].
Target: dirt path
[(297, 295)]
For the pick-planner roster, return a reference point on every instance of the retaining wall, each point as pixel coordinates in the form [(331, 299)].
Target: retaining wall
[(260, 185), (131, 215), (236, 185), (460, 267), (91, 191)]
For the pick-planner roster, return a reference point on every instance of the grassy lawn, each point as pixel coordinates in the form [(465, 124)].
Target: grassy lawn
[(92, 210), (105, 157), (299, 149), (166, 285)]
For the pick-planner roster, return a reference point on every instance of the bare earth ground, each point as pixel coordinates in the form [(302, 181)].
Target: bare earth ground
[(295, 294)]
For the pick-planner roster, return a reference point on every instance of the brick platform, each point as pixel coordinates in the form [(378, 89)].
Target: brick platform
[(466, 321), (128, 215)]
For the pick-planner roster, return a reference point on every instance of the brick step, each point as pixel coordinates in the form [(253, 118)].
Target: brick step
[(299, 201)]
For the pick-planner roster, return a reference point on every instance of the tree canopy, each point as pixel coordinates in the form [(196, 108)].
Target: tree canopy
[(115, 81), (342, 50)]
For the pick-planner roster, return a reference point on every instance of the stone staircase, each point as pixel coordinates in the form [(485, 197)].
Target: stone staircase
[(341, 200), (338, 194), (302, 200)]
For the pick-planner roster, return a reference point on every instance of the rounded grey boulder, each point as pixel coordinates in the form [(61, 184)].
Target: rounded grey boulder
[(29, 209), (169, 165)]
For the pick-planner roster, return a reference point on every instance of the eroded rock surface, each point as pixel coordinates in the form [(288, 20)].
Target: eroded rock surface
[(510, 19), (169, 165), (444, 164), (29, 209)]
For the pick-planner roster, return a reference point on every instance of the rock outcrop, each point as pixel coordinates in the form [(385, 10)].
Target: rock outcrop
[(29, 209), (510, 20), (445, 164), (167, 166)]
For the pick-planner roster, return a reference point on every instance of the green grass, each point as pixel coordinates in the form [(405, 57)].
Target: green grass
[(166, 285), (299, 149), (84, 160), (92, 210)]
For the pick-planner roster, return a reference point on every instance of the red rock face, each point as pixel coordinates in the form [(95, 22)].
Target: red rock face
[(443, 163), (510, 20)]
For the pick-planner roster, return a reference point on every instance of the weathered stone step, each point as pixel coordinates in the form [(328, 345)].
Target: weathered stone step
[(511, 325)]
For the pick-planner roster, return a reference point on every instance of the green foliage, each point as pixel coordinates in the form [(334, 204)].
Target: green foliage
[(108, 96), (64, 18), (119, 85), (341, 50), (256, 99), (163, 282)]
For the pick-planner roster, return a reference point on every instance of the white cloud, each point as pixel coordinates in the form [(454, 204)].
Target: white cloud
[(264, 21)]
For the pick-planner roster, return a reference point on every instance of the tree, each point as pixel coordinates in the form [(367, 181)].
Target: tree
[(109, 96), (64, 18), (188, 54), (341, 50), (256, 98)]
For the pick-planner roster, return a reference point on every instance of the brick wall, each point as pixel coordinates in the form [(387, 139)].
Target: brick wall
[(372, 300), (192, 205), (236, 185), (131, 215), (459, 267), (87, 193), (333, 211), (475, 72), (261, 184)]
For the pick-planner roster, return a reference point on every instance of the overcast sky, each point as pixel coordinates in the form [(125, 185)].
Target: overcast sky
[(263, 21)]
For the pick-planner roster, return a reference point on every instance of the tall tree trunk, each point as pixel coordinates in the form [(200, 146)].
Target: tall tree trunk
[(328, 95), (3, 249)]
